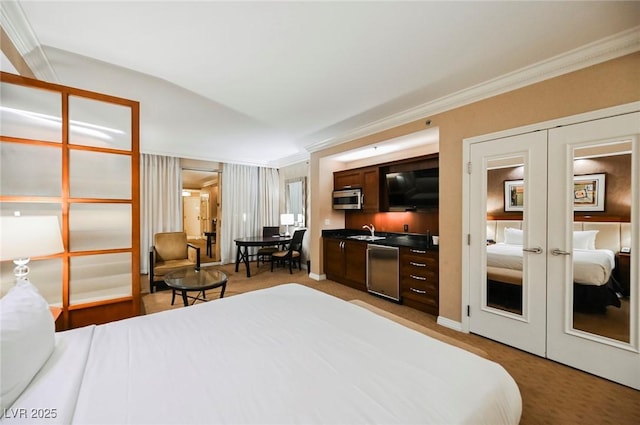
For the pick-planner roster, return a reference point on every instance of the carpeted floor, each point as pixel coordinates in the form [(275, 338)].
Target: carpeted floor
[(552, 393)]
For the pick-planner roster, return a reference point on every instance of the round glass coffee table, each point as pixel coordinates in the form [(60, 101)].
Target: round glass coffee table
[(189, 279)]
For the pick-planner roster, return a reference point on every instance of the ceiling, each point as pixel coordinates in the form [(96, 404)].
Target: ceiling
[(197, 179), (265, 83)]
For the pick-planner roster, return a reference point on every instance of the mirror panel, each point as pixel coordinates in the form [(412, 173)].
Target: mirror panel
[(505, 234), (99, 226), (30, 113), (601, 228), (99, 124), (99, 175), (42, 163), (100, 277), (295, 200)]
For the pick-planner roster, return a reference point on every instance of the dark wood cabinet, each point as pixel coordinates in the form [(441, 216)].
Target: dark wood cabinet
[(346, 262), (419, 282), (624, 272), (347, 179), (371, 189), (368, 179)]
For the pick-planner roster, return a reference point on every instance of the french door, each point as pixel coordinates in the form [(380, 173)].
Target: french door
[(520, 320), (532, 276)]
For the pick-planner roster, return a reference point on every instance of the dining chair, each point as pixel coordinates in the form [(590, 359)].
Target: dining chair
[(266, 251), (293, 252)]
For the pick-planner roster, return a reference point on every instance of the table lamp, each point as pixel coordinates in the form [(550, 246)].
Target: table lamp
[(22, 237), (286, 220)]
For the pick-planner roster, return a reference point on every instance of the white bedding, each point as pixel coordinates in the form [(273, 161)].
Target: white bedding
[(590, 266), (288, 354)]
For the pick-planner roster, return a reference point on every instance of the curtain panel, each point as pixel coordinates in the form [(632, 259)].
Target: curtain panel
[(161, 200), (250, 200)]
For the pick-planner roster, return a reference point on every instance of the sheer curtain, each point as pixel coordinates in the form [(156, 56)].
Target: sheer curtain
[(160, 200), (250, 200), (269, 197)]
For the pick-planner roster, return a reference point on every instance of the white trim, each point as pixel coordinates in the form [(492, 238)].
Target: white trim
[(19, 30), (599, 51), (290, 160), (466, 248), (626, 108), (318, 277), (451, 324)]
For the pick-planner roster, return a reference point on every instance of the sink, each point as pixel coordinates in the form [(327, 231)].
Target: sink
[(366, 237)]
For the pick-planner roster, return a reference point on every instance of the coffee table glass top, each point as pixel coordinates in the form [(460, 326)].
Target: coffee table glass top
[(191, 279)]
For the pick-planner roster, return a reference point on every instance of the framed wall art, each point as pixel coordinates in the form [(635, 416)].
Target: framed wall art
[(588, 192), (513, 195)]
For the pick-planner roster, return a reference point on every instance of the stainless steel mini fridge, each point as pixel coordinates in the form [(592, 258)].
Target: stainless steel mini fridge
[(382, 271)]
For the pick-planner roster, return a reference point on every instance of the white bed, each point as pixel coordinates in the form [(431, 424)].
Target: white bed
[(590, 266), (288, 354)]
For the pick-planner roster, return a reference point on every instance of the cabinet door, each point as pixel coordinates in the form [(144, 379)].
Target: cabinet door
[(356, 264), (333, 258), (348, 178), (371, 189)]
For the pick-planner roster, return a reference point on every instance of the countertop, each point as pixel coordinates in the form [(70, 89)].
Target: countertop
[(409, 240)]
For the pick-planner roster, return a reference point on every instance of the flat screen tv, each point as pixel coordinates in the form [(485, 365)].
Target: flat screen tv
[(413, 190)]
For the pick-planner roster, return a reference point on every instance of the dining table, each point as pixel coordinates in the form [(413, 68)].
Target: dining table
[(243, 244)]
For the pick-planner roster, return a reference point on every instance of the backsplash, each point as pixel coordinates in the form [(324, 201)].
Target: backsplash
[(418, 222)]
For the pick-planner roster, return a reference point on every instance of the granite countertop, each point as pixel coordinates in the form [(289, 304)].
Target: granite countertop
[(409, 240)]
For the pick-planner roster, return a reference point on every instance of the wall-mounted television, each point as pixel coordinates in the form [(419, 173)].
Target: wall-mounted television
[(412, 190)]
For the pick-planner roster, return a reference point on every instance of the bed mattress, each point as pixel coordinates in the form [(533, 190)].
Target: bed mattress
[(288, 354), (590, 266)]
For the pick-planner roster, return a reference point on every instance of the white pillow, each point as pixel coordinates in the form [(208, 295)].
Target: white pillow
[(585, 239), (513, 236), (27, 339)]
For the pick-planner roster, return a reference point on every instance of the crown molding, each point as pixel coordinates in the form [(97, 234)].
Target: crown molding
[(608, 48), (18, 29), (290, 160)]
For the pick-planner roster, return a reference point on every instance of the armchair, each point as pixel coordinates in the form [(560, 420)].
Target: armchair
[(170, 251)]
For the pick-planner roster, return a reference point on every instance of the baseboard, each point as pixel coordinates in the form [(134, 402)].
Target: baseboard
[(318, 277), (448, 323)]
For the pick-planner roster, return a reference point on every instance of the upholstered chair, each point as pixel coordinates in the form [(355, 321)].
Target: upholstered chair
[(170, 251)]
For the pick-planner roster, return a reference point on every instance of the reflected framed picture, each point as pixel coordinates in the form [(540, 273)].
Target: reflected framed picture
[(513, 195), (588, 192)]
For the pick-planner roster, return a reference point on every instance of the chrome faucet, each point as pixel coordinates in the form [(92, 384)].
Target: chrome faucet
[(370, 228)]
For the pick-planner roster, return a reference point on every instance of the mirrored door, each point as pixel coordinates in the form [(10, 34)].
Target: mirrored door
[(593, 247), (508, 241)]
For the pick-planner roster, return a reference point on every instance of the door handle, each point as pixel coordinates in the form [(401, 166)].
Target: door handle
[(557, 251), (536, 250)]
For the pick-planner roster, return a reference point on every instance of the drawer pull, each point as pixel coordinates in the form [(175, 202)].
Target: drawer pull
[(418, 251), (417, 277), (417, 264), (418, 291)]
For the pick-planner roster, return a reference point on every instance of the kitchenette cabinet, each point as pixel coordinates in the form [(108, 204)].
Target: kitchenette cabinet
[(419, 279), (416, 266), (346, 262), (368, 179)]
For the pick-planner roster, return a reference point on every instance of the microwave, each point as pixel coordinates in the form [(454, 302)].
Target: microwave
[(347, 199)]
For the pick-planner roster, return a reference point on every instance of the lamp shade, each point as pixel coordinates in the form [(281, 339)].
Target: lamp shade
[(287, 219), (29, 236)]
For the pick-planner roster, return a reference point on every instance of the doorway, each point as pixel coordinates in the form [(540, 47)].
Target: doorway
[(551, 217), (201, 207)]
